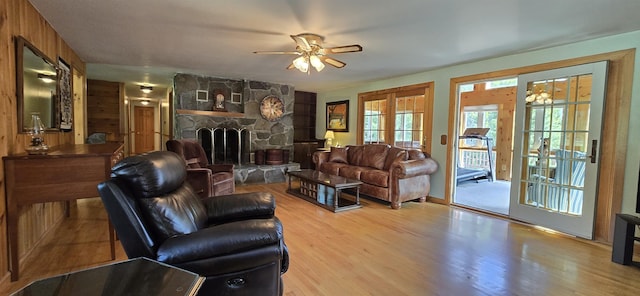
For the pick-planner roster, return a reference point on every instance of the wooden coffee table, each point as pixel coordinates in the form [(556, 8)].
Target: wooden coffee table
[(325, 190)]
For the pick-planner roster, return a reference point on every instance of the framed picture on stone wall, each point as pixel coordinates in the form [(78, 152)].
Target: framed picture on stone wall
[(202, 95), (236, 98)]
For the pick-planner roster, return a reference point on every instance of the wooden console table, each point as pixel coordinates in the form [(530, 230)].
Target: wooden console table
[(65, 173)]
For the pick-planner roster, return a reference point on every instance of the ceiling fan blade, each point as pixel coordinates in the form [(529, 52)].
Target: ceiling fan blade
[(276, 52), (343, 49), (301, 42), (332, 62)]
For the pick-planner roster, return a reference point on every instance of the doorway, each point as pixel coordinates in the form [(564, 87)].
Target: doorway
[(558, 122), (484, 145), (144, 132)]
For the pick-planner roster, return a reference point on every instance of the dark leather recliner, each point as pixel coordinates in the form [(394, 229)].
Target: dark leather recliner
[(235, 241), (206, 179)]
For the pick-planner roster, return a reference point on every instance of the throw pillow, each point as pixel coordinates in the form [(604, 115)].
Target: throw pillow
[(338, 155), (394, 154)]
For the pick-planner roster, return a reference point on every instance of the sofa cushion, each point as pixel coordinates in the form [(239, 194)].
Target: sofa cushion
[(374, 155), (354, 154), (395, 153), (351, 172), (338, 155), (179, 212), (375, 177)]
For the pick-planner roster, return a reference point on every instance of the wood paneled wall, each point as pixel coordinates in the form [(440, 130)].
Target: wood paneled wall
[(103, 109), (20, 18)]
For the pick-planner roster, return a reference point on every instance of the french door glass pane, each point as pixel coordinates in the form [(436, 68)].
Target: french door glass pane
[(556, 138)]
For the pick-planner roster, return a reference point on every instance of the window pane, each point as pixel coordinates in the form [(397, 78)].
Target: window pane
[(373, 126)]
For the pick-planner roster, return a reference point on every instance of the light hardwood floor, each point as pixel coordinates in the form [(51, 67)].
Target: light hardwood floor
[(421, 249)]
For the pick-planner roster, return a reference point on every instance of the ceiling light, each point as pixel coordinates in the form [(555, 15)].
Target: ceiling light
[(146, 89), (301, 64), (145, 102), (46, 78), (316, 62), (542, 97)]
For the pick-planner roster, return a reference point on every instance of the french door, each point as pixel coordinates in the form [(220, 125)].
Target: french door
[(557, 147)]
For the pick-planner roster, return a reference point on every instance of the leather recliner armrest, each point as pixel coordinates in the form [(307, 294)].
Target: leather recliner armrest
[(225, 239), (238, 206), (200, 180), (217, 168)]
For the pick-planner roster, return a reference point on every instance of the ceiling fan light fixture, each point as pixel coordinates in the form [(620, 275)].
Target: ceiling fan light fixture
[(316, 62), (311, 53), (301, 64)]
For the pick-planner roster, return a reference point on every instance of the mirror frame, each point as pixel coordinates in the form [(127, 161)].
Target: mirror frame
[(21, 43)]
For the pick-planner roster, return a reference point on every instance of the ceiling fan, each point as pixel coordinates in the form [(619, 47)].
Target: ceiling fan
[(311, 53)]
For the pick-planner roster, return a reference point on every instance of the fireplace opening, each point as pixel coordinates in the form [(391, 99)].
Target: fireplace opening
[(225, 145)]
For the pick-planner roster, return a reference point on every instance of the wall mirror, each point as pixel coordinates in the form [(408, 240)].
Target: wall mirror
[(36, 86)]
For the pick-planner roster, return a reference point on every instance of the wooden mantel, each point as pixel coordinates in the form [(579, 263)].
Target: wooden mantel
[(210, 113)]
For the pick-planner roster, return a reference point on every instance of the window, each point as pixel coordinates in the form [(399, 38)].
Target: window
[(400, 117), (375, 112), (501, 83), (480, 116), (409, 121)]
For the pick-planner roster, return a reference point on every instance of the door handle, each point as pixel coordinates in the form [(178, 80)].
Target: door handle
[(594, 150)]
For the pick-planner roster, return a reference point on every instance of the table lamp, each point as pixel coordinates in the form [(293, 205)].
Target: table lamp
[(329, 136)]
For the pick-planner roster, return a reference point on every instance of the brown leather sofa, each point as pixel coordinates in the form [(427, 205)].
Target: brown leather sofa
[(388, 173)]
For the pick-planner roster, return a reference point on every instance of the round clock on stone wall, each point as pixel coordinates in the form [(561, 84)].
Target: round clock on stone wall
[(271, 108)]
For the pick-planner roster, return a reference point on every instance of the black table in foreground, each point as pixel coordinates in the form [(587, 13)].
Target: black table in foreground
[(325, 190), (624, 238), (138, 276)]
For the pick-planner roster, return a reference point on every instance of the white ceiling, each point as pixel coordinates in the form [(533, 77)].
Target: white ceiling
[(148, 41)]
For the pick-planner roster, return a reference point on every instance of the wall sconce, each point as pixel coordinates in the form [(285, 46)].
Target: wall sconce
[(329, 136), (146, 89), (46, 78)]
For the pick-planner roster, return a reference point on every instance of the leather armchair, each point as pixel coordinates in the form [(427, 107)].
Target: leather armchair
[(207, 179), (235, 241)]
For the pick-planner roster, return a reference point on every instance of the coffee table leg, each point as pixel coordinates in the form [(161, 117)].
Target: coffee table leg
[(335, 200), (358, 195)]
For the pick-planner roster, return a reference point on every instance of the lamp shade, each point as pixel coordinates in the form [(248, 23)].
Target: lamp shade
[(301, 64), (329, 135), (316, 62)]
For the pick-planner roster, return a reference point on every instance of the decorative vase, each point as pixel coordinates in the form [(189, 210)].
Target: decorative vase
[(36, 130)]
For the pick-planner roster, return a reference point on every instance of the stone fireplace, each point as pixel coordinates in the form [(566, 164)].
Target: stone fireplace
[(234, 133)]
